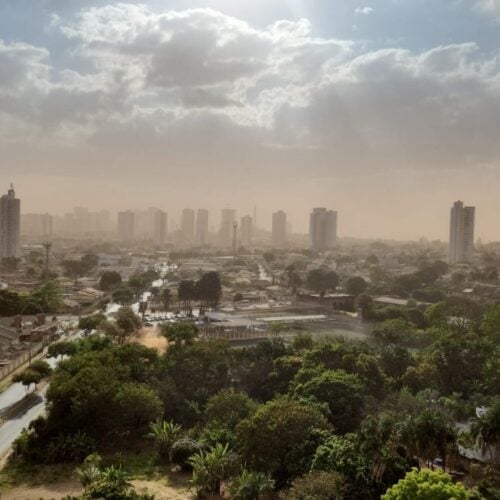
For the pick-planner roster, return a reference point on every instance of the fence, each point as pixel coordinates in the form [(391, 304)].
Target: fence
[(21, 359)]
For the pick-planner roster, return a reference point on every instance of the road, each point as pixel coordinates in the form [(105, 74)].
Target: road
[(16, 392), (12, 427)]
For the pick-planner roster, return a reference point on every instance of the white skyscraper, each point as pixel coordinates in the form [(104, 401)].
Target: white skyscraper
[(322, 229), (202, 227), (461, 233), (279, 228), (187, 226), (228, 218), (126, 225), (10, 224), (246, 230), (160, 230)]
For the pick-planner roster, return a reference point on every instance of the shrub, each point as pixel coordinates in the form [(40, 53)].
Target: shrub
[(182, 450)]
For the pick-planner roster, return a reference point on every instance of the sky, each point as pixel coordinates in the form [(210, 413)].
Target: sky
[(385, 110)]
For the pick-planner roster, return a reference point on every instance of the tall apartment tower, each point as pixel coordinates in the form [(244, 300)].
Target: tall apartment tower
[(126, 225), (246, 230), (37, 226), (322, 229), (279, 229), (187, 226), (202, 227), (228, 218), (160, 228), (461, 233), (10, 224)]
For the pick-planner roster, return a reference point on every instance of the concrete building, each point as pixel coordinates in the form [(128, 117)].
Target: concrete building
[(246, 230), (461, 233), (10, 224), (226, 231), (160, 231), (187, 226), (279, 229), (126, 225), (322, 229), (202, 227), (38, 226)]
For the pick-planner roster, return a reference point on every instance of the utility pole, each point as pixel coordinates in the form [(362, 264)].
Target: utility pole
[(47, 245)]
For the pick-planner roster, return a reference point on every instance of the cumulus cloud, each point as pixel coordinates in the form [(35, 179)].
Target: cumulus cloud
[(489, 7), (364, 11), (201, 86)]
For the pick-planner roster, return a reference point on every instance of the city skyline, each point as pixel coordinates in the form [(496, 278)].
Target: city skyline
[(199, 231), (386, 109)]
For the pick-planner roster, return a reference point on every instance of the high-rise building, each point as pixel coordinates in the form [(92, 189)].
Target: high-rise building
[(279, 228), (322, 229), (10, 224), (226, 231), (160, 232), (187, 226), (461, 233), (126, 225), (202, 227), (246, 230), (39, 226)]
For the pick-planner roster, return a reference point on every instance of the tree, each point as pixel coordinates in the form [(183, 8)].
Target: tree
[(209, 290), (269, 257), (228, 408), (64, 348), (123, 295), (395, 360), (164, 434), (428, 435), (356, 285), (48, 297), (89, 323), (28, 377), (138, 404), (186, 294), (341, 455), (180, 334), (280, 438), (341, 391), (210, 468), (318, 485), (426, 484), (128, 321), (321, 280), (487, 429), (42, 367), (110, 280), (166, 297)]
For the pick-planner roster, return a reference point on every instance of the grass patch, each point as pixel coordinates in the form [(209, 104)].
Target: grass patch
[(140, 465), (17, 473)]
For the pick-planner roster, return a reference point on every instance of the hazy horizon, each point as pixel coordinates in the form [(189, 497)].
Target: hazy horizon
[(385, 111)]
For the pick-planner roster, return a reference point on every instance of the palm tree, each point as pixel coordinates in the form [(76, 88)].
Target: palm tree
[(164, 433), (210, 469), (487, 430)]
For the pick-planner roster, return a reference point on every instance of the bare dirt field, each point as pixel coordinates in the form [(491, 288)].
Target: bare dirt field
[(150, 336), (59, 490)]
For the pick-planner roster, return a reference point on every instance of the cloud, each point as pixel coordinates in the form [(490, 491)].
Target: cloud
[(364, 11), (489, 7), (204, 89)]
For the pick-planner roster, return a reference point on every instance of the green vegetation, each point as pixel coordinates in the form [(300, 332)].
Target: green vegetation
[(336, 419), (47, 298)]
